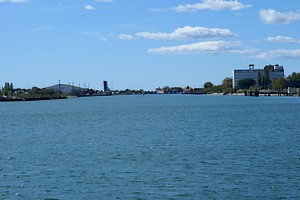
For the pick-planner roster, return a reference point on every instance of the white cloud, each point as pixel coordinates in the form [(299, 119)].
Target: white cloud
[(188, 32), (271, 16), (283, 39), (44, 28), (156, 10), (89, 7), (97, 35), (104, 1), (280, 54), (14, 1), (18, 1), (204, 47), (211, 5), (125, 37)]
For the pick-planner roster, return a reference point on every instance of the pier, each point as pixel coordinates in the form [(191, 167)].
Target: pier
[(257, 93)]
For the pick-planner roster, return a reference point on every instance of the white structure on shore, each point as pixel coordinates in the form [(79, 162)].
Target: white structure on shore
[(275, 71), (65, 88)]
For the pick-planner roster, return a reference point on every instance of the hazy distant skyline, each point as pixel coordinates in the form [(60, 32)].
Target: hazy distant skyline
[(144, 44)]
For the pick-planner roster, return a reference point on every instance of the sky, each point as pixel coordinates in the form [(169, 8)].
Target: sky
[(143, 44)]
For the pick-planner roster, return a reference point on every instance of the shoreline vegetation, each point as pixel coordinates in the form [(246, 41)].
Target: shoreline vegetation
[(192, 91), (289, 86)]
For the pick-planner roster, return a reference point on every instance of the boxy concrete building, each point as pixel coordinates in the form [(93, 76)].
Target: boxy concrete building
[(275, 71)]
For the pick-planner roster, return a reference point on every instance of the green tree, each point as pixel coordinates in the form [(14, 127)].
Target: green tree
[(279, 83), (246, 83), (35, 90), (208, 85), (8, 89), (266, 79), (259, 78), (216, 89), (5, 91), (227, 85), (294, 80)]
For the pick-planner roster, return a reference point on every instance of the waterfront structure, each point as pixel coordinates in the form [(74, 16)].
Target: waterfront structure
[(274, 71), (65, 88), (173, 90), (293, 91), (160, 91)]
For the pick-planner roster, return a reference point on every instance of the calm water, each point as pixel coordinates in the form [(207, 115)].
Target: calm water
[(151, 147)]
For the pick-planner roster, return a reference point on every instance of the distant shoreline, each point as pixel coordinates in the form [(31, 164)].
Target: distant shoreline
[(30, 99), (5, 99)]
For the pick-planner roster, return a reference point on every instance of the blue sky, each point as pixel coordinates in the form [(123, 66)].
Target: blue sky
[(144, 44)]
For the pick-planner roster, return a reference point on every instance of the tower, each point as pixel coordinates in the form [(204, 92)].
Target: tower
[(251, 67), (105, 85)]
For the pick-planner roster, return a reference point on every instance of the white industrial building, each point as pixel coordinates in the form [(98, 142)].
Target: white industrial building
[(275, 71)]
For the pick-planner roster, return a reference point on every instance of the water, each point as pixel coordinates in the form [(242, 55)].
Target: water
[(151, 147)]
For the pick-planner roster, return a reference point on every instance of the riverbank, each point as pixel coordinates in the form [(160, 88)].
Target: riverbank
[(18, 99), (4, 99)]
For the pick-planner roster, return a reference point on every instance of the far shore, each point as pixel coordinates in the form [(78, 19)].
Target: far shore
[(3, 99), (14, 99)]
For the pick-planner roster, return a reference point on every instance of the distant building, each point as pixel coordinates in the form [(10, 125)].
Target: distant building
[(160, 91), (173, 90), (275, 71), (105, 86), (65, 88)]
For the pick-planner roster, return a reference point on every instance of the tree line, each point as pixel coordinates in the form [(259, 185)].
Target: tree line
[(278, 84), (262, 82), (8, 91)]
